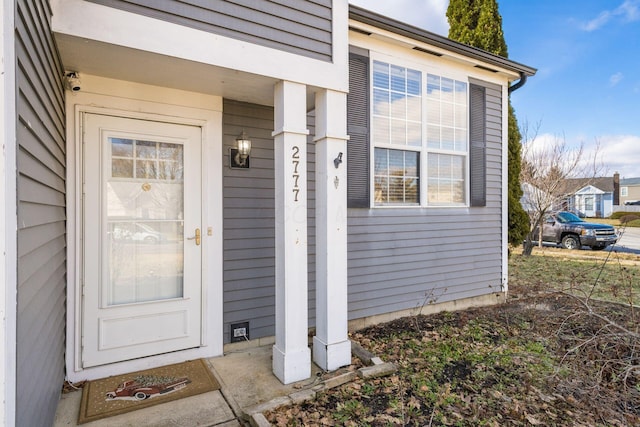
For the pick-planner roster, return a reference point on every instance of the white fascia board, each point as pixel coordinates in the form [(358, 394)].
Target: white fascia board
[(590, 189), (8, 217), (398, 40), (83, 19), (404, 55)]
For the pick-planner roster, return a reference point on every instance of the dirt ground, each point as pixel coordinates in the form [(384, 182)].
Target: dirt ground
[(543, 358)]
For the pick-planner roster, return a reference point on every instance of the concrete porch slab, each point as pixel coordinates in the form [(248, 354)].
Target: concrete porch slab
[(207, 409), (246, 381)]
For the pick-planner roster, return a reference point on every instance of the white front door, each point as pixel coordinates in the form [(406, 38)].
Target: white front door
[(141, 238)]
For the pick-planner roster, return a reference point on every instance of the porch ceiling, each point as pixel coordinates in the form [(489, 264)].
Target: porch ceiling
[(87, 56)]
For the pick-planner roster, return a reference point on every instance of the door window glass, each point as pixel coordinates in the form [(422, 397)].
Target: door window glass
[(145, 219)]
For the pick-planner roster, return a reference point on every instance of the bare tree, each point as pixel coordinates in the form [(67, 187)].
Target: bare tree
[(547, 166)]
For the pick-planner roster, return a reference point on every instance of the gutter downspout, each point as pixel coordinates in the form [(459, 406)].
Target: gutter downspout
[(519, 84)]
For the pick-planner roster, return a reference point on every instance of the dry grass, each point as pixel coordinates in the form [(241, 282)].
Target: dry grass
[(549, 356)]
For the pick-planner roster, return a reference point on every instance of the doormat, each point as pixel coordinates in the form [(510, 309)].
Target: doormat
[(129, 392)]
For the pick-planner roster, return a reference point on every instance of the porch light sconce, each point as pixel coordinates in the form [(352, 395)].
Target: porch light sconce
[(337, 160), (239, 156)]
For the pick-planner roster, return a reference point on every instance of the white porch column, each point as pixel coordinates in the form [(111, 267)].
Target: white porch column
[(331, 346), (291, 355)]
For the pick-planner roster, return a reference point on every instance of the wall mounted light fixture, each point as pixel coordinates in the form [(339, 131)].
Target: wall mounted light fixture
[(239, 156), (337, 160)]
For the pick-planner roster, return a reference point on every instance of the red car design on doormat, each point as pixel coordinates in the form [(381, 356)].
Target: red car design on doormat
[(146, 387)]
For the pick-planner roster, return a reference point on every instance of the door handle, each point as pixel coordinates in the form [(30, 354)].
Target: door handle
[(196, 237)]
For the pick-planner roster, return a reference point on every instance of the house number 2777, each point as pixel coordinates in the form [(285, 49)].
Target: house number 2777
[(295, 159)]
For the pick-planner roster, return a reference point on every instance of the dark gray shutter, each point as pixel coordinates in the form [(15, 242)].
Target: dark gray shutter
[(478, 146), (358, 129)]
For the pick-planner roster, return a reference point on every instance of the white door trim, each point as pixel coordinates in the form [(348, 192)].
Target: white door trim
[(206, 113)]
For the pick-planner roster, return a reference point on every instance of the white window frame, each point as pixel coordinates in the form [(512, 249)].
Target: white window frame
[(624, 191), (423, 150)]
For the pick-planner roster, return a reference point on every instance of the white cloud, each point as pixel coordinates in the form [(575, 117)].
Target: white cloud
[(616, 78), (598, 22), (427, 14), (615, 153), (620, 153), (628, 11)]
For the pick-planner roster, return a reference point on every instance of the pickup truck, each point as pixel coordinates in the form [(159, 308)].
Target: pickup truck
[(144, 387), (571, 232)]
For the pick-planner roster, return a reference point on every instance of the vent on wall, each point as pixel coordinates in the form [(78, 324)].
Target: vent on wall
[(358, 30), (423, 50), (486, 68)]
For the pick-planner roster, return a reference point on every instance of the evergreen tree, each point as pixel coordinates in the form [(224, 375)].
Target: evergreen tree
[(478, 23)]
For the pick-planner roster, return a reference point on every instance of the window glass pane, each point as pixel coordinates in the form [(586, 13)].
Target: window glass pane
[(380, 130), (381, 161), (414, 134), (433, 169), (122, 168), (433, 136), (380, 75), (433, 112), (398, 132), (121, 147), (146, 149), (460, 140), (446, 88), (396, 190), (398, 105), (414, 108), (396, 180), (447, 139), (447, 114), (445, 179), (461, 116), (146, 169), (170, 152), (413, 82), (381, 102), (461, 92), (401, 105), (398, 79), (170, 170), (433, 86), (145, 225)]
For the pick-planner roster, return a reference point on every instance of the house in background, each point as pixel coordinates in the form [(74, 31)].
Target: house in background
[(376, 178), (594, 197), (629, 191)]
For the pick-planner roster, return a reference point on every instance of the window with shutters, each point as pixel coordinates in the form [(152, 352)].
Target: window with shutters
[(420, 137)]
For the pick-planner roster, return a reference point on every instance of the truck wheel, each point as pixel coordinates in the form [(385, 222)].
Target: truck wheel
[(140, 395), (570, 242)]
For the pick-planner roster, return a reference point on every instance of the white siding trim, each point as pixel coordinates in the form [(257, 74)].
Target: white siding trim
[(8, 217), (92, 21), (205, 111), (505, 188)]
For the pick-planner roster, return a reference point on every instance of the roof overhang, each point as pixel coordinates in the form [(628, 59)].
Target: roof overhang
[(378, 26)]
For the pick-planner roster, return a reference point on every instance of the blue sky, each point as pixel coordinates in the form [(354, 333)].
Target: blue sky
[(587, 52)]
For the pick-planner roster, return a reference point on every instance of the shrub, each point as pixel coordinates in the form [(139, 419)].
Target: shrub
[(620, 214), (628, 218)]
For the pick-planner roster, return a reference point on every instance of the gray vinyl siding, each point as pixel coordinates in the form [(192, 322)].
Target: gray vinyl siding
[(302, 27), (41, 217), (402, 258), (249, 223)]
